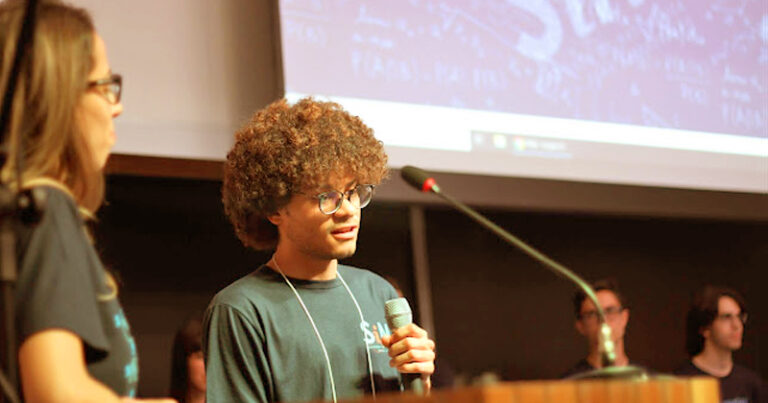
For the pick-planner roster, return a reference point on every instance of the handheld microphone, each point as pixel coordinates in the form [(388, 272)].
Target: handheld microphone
[(398, 314), (424, 182)]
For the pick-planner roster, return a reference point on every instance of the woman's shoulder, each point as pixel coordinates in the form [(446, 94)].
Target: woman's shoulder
[(59, 224), (59, 209), (52, 196)]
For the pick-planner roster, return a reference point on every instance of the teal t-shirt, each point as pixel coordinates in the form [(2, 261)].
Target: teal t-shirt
[(63, 285), (260, 346)]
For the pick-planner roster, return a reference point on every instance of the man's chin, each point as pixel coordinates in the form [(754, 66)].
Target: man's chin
[(344, 253)]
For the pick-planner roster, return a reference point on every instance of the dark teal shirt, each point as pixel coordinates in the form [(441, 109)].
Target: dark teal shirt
[(62, 285), (259, 344)]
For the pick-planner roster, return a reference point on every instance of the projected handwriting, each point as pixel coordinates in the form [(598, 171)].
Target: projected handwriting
[(364, 18), (653, 118), (544, 46), (693, 94), (659, 26), (737, 109), (744, 117), (306, 32), (373, 65), (669, 63)]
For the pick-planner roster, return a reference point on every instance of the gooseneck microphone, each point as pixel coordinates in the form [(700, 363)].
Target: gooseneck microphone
[(419, 179), (424, 182)]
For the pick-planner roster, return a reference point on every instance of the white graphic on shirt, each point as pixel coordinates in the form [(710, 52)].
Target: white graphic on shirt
[(131, 370), (372, 334)]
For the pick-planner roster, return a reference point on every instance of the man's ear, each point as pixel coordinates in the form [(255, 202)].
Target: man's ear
[(579, 327), (705, 331), (275, 218)]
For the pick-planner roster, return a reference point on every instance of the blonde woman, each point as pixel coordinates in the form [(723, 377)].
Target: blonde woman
[(75, 343)]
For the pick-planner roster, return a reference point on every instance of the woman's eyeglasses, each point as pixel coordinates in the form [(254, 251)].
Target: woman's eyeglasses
[(113, 85)]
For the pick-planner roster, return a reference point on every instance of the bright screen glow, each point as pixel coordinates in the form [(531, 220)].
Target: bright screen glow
[(648, 92)]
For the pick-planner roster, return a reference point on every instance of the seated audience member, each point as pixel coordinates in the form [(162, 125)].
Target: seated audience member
[(714, 330), (187, 366), (588, 325)]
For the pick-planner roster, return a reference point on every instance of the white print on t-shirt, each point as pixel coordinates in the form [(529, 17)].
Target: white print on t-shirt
[(372, 335), (131, 370)]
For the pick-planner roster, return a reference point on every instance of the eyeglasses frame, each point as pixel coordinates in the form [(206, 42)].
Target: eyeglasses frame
[(344, 195), (593, 315), (112, 79)]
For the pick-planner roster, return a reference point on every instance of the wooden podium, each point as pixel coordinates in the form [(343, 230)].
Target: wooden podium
[(667, 390)]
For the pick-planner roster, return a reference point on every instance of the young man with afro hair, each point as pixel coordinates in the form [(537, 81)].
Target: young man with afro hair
[(302, 326)]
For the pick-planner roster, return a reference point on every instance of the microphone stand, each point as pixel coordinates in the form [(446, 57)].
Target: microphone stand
[(15, 206), (423, 182)]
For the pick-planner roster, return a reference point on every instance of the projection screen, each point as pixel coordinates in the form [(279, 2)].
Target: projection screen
[(640, 92)]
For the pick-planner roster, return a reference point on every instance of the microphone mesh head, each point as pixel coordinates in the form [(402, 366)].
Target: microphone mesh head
[(398, 313)]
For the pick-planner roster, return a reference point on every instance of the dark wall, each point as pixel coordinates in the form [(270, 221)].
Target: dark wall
[(495, 309), (490, 293)]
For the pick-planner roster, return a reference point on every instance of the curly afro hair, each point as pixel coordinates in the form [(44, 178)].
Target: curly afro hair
[(286, 150)]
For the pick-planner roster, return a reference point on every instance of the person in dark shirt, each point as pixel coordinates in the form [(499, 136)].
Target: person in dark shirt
[(187, 366), (302, 326), (588, 325), (714, 330), (75, 343)]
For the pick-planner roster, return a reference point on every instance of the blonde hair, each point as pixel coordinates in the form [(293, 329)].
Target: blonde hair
[(48, 92)]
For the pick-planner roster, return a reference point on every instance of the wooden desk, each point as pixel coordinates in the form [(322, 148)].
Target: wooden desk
[(672, 390)]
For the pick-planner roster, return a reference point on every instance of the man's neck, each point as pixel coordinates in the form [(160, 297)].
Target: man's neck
[(302, 267), (595, 359), (714, 361)]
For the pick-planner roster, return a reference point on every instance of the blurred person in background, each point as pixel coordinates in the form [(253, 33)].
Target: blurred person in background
[(187, 365), (588, 325), (714, 331)]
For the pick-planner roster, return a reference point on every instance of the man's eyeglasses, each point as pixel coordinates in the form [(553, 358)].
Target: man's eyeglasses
[(113, 85), (610, 312), (330, 202), (729, 317)]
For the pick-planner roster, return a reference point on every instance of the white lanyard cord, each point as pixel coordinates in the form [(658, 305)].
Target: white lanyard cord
[(367, 349), (314, 327), (320, 338)]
